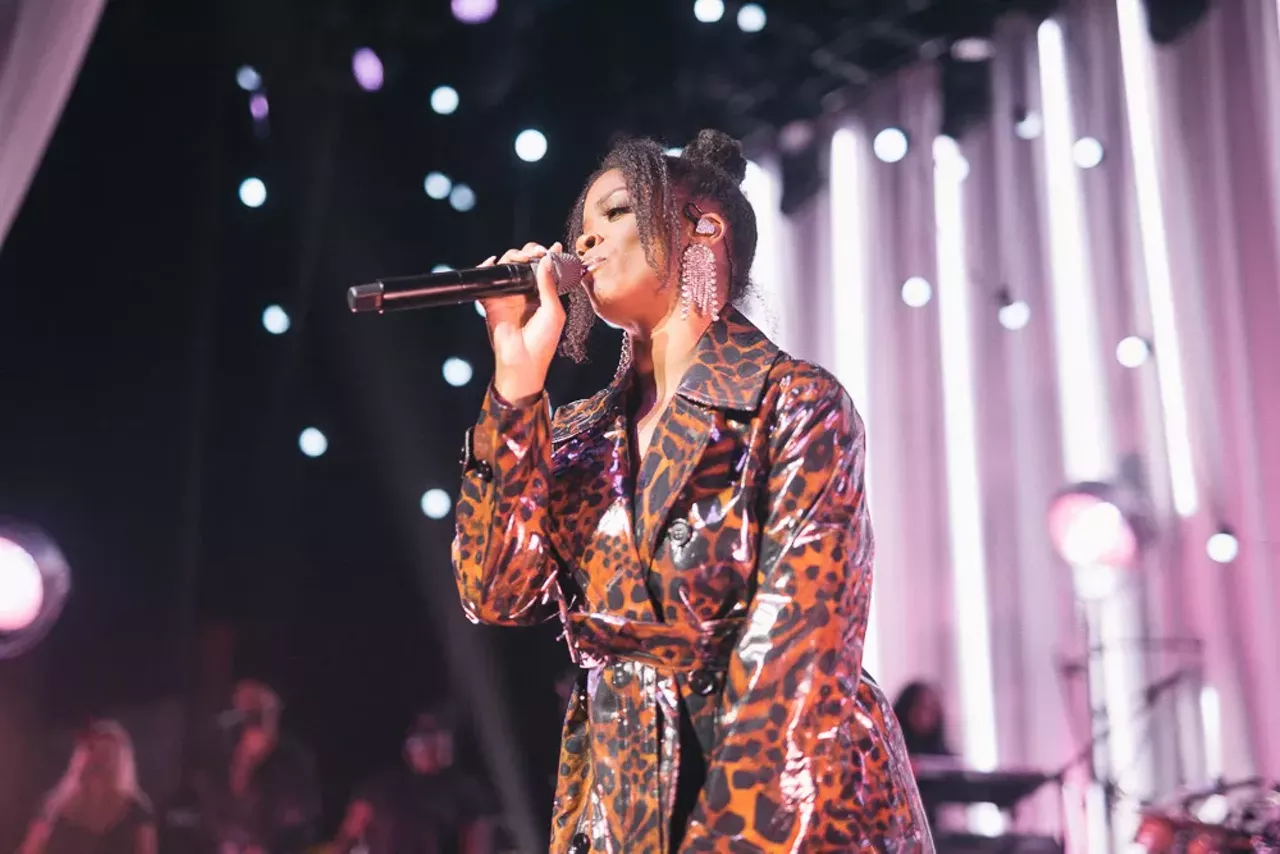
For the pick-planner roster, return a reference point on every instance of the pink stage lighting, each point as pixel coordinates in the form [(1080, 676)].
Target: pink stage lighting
[(367, 68), (474, 11), (1089, 528), (21, 587), (258, 106)]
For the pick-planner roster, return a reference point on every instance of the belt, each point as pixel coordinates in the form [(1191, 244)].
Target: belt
[(673, 647)]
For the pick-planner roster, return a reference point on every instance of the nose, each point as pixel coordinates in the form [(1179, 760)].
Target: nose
[(586, 243)]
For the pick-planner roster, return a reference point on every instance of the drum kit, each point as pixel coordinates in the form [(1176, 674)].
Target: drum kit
[(1243, 816)]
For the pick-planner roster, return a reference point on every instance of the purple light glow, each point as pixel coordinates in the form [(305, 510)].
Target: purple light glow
[(474, 11), (367, 68), (258, 106)]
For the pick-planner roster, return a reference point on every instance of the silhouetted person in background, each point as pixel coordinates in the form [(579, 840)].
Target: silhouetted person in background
[(97, 806), (258, 792), (426, 804)]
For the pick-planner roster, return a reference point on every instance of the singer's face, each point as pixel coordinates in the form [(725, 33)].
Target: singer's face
[(624, 289)]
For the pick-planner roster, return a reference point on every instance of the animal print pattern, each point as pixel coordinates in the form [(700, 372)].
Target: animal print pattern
[(730, 572)]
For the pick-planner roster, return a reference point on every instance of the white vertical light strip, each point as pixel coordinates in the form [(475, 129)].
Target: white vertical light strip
[(1086, 439), (964, 497), (1211, 714), (1140, 101), (852, 303), (766, 305)]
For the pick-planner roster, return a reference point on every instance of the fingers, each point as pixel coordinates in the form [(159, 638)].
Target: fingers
[(530, 252), (488, 262), (547, 290)]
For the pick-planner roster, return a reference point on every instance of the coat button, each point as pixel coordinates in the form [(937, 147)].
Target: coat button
[(580, 844), (703, 681), (679, 532)]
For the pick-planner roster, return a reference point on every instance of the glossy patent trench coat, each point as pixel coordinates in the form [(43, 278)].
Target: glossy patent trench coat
[(730, 572)]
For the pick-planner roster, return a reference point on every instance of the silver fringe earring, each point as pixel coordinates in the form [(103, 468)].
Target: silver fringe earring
[(698, 276)]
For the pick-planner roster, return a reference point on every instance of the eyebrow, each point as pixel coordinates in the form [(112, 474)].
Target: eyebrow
[(603, 204)]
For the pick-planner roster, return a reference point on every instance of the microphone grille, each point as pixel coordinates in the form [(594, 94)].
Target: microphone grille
[(567, 270)]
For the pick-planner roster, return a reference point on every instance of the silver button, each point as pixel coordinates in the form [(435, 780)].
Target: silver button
[(679, 532)]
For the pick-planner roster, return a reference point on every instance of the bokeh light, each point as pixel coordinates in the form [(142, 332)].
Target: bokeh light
[(444, 100), (437, 185), (367, 68), (253, 193), (312, 442), (275, 320), (531, 145)]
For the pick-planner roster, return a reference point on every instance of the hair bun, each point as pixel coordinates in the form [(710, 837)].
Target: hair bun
[(719, 150)]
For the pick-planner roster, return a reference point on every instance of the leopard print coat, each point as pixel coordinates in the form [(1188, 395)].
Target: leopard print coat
[(730, 573)]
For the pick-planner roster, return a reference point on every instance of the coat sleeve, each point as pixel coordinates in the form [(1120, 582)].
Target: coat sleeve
[(797, 663), (502, 561)]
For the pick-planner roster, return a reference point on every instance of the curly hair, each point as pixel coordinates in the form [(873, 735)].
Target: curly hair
[(708, 170)]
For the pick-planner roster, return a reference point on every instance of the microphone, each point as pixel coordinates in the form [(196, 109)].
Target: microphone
[(455, 287)]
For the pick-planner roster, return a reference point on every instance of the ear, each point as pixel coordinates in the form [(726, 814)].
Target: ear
[(710, 228)]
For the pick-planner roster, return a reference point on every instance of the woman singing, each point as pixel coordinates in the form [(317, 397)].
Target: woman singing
[(700, 528), (97, 807)]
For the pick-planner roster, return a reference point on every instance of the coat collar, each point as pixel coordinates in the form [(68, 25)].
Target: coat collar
[(729, 369)]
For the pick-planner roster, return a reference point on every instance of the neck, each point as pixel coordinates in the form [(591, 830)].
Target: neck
[(661, 356)]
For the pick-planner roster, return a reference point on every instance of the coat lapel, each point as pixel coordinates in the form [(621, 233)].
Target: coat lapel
[(730, 366), (592, 489)]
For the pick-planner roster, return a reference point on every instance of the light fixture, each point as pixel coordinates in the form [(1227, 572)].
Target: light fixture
[(275, 320), (436, 503), (312, 442), (253, 192), (474, 11), (1223, 547), (1087, 152), (916, 291), (367, 68), (1094, 524), (248, 78), (708, 11), (457, 372), (531, 145), (1133, 351), (437, 185), (752, 18), (34, 584), (462, 198), (444, 100), (1014, 314), (890, 145)]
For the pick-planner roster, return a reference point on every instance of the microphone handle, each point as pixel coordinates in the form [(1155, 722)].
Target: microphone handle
[(452, 287)]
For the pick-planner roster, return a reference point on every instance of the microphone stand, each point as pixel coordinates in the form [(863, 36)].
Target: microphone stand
[(1150, 694)]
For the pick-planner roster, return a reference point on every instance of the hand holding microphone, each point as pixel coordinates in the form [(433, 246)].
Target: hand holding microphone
[(521, 295), (524, 329)]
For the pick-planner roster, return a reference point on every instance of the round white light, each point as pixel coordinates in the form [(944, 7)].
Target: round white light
[(1223, 547), (444, 100), (462, 197), (890, 145), (1015, 315), (437, 185), (248, 78), (751, 18), (436, 503), (457, 372), (916, 292), (441, 268), (21, 587), (253, 193), (275, 320), (312, 442), (531, 145), (1087, 152), (1029, 126), (708, 11), (480, 308), (1133, 351)]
